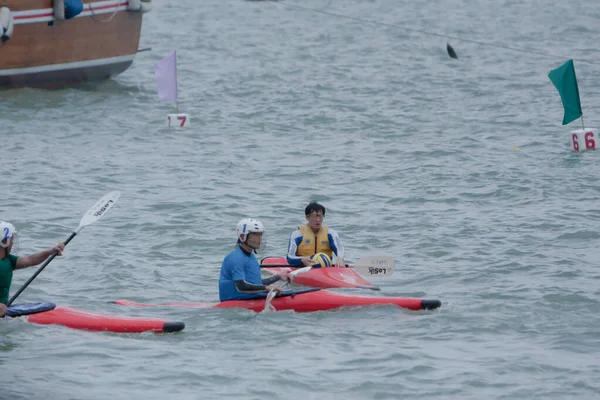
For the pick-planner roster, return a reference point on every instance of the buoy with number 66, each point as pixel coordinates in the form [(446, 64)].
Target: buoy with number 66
[(583, 139), (565, 81)]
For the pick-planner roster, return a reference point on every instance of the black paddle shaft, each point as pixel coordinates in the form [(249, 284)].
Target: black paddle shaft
[(40, 269)]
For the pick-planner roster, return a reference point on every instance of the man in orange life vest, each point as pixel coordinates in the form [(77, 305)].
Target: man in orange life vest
[(314, 237)]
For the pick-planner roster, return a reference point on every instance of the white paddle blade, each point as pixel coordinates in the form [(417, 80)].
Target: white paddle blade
[(299, 271), (268, 305), (98, 209), (375, 266)]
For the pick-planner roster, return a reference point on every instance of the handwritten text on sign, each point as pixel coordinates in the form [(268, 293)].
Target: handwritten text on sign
[(377, 271), (379, 265)]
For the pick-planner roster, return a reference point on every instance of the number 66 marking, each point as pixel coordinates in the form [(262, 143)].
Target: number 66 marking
[(588, 137)]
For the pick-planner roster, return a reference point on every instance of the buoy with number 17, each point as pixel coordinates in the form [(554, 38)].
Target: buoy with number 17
[(165, 71)]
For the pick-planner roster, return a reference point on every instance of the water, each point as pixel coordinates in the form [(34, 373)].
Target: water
[(412, 153)]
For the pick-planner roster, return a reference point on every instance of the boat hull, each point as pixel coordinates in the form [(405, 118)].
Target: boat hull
[(324, 278), (92, 321), (99, 43), (316, 300)]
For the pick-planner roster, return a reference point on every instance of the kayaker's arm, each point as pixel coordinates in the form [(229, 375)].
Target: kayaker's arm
[(245, 287), (295, 239), (271, 279), (336, 245), (38, 258)]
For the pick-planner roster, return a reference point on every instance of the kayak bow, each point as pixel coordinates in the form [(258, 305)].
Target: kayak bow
[(325, 278)]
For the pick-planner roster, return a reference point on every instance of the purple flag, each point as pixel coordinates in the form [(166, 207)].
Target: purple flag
[(166, 78)]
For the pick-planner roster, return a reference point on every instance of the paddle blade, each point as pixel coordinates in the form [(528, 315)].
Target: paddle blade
[(270, 296), (98, 209), (375, 266), (451, 51)]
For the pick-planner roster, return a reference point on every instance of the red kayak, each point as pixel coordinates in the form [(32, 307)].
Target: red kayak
[(332, 277), (48, 313), (307, 300)]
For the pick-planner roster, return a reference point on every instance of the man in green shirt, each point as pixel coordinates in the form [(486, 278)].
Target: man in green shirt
[(10, 262)]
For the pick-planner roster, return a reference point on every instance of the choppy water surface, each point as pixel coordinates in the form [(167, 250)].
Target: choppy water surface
[(412, 153)]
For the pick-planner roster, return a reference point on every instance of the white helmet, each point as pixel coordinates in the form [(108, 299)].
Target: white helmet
[(7, 230), (247, 225)]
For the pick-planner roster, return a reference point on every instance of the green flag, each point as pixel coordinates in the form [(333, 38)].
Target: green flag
[(565, 81)]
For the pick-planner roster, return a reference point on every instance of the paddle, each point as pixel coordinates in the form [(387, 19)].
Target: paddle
[(297, 272), (270, 296), (91, 216), (371, 266), (273, 292)]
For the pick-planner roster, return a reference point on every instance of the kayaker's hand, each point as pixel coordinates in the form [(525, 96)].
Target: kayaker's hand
[(274, 287), (284, 276), (340, 262), (59, 247), (306, 261), (3, 310)]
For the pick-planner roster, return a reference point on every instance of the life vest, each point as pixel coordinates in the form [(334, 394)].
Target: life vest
[(312, 243)]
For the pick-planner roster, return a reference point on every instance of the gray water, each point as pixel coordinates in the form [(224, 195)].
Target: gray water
[(459, 169)]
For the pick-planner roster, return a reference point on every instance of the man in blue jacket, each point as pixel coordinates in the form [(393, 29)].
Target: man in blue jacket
[(240, 272)]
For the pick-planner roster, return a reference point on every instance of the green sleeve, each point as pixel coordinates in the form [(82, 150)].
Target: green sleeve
[(13, 260)]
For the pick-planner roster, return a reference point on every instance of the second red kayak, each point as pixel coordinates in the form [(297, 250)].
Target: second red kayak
[(309, 300)]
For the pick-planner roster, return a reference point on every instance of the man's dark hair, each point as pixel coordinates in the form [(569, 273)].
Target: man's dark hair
[(313, 206)]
